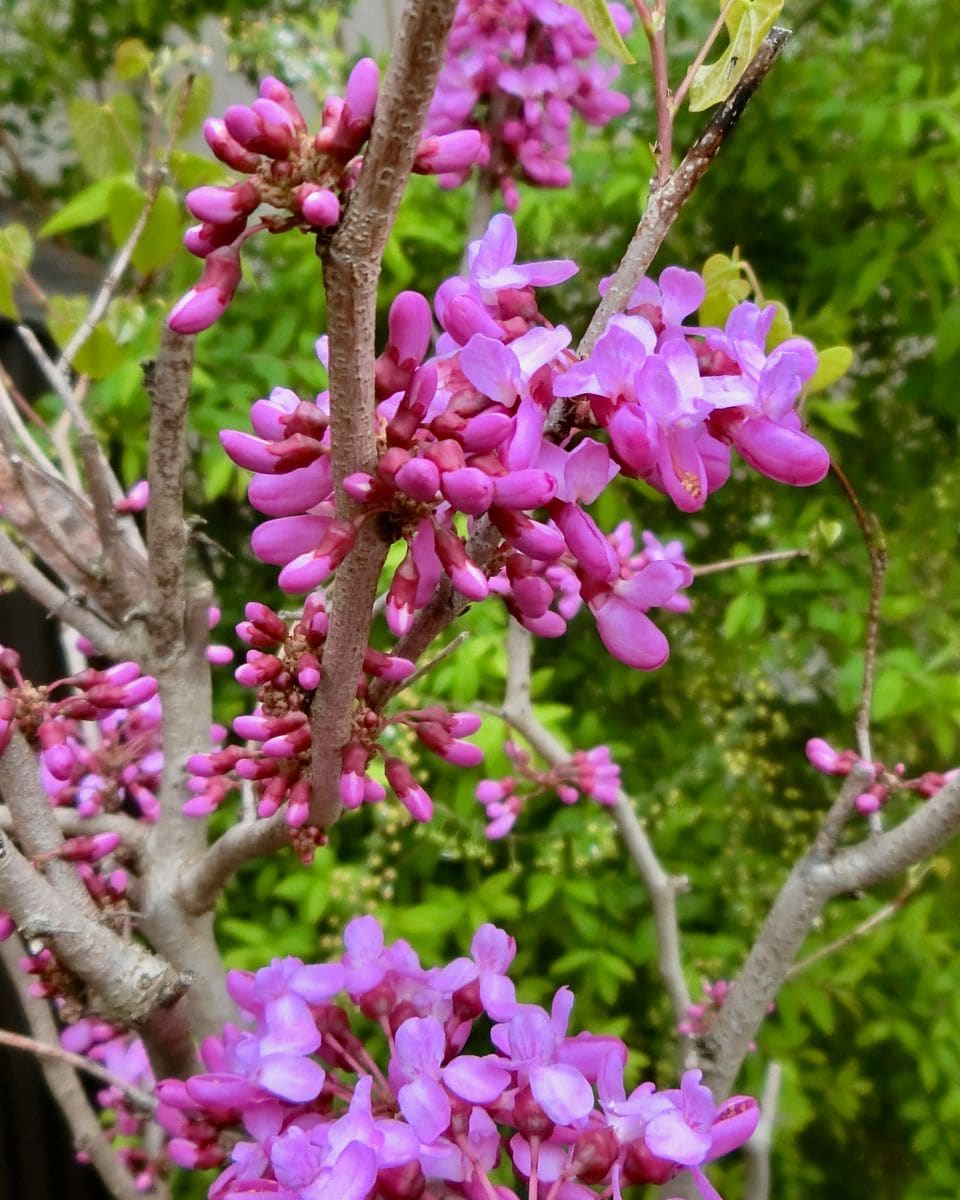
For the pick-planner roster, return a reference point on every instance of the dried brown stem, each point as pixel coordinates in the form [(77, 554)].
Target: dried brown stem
[(57, 603)]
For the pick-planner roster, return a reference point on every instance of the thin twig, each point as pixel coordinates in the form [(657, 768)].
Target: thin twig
[(661, 887), (12, 418), (749, 560), (101, 481), (758, 1149), (122, 258), (427, 667), (72, 824), (57, 603), (138, 1097), (866, 926), (876, 545), (680, 94)]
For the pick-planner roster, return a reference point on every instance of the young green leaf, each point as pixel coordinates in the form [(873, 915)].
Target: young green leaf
[(748, 22), (596, 13)]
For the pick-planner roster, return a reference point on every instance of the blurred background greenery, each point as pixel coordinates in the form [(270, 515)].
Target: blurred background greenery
[(841, 190)]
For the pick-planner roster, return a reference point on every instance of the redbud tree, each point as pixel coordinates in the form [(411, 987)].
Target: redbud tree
[(453, 460)]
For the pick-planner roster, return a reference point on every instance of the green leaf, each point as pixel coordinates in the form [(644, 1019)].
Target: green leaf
[(16, 245), (747, 23), (725, 288), (744, 614), (197, 106), (105, 135), (159, 242), (16, 250), (87, 207), (100, 354), (130, 59), (596, 13), (833, 365)]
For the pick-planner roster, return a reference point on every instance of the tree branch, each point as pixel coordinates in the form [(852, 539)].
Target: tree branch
[(72, 612), (823, 873), (351, 270), (168, 384), (876, 546), (137, 1096), (122, 258), (67, 1089), (666, 199), (202, 883), (124, 981), (34, 824)]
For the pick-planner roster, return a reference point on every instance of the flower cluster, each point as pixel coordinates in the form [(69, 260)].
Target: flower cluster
[(467, 435), (302, 178), (284, 667), (96, 735), (352, 1084), (517, 71), (884, 781), (124, 1056), (587, 772)]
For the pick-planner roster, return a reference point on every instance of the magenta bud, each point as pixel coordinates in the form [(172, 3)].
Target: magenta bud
[(528, 488), (594, 1153), (528, 1117), (468, 489), (277, 91), (410, 325), (263, 128), (208, 300), (223, 205), (486, 431), (410, 794), (448, 152), (227, 149), (320, 206), (360, 96), (59, 761), (201, 240), (387, 666), (419, 478), (373, 791)]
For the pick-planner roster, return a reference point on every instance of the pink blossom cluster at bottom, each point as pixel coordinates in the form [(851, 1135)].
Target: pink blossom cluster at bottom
[(353, 1084)]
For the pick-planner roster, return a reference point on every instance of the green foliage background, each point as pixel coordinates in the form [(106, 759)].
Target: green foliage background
[(841, 191)]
